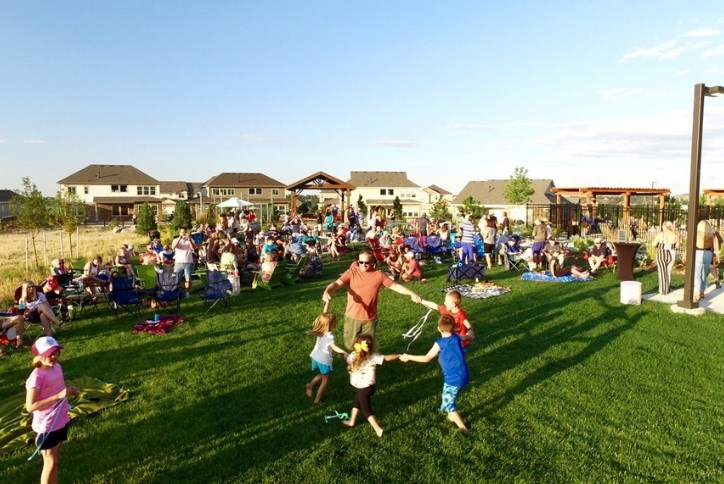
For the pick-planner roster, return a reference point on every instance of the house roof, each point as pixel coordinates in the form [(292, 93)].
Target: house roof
[(126, 200), (386, 179), (490, 192), (173, 186), (439, 190), (107, 175), (319, 181), (251, 180), (6, 195)]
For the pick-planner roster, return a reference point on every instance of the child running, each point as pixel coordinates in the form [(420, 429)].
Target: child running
[(46, 400), (321, 354), (451, 306), (362, 363), (454, 368)]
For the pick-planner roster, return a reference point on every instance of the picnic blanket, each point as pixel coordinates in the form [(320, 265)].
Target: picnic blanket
[(481, 290), (95, 395), (162, 326), (548, 277)]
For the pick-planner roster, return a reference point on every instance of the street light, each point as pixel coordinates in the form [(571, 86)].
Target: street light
[(700, 90)]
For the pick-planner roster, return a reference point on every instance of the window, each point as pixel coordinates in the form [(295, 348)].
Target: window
[(120, 210), (119, 188), (255, 191), (275, 192), (71, 190), (387, 191), (408, 193), (145, 190), (224, 192), (85, 190), (411, 212)]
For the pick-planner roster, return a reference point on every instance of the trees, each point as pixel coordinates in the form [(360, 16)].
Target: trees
[(145, 219), (470, 206), (519, 189), (397, 208), (30, 210), (362, 206), (182, 216), (66, 211), (440, 210)]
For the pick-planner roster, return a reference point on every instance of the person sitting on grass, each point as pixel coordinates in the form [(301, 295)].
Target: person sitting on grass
[(18, 322), (411, 270), (454, 367), (559, 270), (451, 306), (394, 262), (322, 354), (598, 255), (268, 266)]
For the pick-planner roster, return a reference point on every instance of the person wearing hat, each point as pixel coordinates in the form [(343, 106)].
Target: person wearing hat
[(46, 399), (598, 254), (540, 235), (553, 249)]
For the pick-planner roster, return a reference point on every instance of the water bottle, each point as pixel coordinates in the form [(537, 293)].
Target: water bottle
[(156, 317), (71, 312)]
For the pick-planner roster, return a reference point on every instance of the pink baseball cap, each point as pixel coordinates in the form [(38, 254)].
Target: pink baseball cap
[(45, 346)]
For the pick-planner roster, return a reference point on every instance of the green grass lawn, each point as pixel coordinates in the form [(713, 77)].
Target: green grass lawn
[(566, 385)]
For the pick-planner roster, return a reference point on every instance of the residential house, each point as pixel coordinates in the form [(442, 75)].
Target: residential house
[(380, 188), (489, 193), (5, 196), (433, 194), (262, 191), (172, 192)]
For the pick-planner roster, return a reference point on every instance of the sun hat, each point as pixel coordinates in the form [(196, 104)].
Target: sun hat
[(597, 240), (45, 346)]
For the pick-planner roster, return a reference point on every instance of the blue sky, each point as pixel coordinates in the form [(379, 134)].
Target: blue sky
[(587, 93)]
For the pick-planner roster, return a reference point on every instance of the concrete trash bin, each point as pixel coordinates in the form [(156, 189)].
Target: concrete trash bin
[(631, 293)]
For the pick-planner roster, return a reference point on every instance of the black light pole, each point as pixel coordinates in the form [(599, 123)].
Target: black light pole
[(692, 215)]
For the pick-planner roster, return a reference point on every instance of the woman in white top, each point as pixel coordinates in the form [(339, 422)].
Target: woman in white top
[(666, 243), (36, 308)]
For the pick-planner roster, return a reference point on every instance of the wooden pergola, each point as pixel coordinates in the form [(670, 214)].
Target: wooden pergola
[(321, 181), (591, 194)]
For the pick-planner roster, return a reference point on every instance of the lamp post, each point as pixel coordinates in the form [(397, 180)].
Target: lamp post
[(692, 215)]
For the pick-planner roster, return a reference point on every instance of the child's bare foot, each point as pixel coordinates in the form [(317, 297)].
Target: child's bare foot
[(319, 402), (347, 423), (379, 432), (309, 390)]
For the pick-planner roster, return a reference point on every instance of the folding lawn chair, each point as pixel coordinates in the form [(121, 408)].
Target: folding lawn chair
[(147, 275), (414, 242), (435, 247), (217, 289), (123, 295), (168, 291)]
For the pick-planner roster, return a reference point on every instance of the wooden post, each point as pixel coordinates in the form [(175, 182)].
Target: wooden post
[(27, 255), (45, 247)]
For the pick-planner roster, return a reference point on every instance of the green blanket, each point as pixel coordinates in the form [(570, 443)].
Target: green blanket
[(15, 431)]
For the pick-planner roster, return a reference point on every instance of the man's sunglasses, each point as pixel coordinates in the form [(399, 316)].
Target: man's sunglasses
[(364, 262)]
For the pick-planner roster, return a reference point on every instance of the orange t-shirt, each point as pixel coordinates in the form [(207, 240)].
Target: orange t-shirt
[(459, 318), (363, 289)]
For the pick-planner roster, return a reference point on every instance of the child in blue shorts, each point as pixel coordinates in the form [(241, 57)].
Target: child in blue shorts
[(322, 354), (454, 367)]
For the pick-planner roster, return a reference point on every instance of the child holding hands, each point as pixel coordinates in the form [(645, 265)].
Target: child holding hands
[(451, 306), (362, 364), (454, 367), (322, 354), (46, 398)]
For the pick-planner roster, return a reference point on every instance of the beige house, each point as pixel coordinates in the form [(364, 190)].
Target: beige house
[(257, 188), (380, 188)]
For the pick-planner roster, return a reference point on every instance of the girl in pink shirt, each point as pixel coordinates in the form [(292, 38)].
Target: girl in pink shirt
[(46, 399)]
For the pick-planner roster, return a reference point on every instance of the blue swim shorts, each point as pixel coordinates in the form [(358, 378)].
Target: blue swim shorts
[(323, 369), (449, 398)]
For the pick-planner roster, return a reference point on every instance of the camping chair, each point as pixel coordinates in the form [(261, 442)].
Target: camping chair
[(377, 250), (280, 277), (217, 289), (435, 247), (168, 291), (147, 276), (414, 242), (123, 295)]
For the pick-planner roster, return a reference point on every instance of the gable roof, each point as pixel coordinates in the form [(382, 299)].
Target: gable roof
[(320, 180), (107, 175), (6, 195), (177, 186), (243, 180), (437, 189), (490, 192), (372, 179)]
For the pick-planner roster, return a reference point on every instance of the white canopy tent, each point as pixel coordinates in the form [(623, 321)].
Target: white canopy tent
[(234, 202)]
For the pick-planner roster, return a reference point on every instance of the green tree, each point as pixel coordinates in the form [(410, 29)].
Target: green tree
[(145, 219), (397, 208), (441, 210), (182, 216), (31, 211), (307, 203), (519, 189), (361, 205), (470, 206), (66, 212)]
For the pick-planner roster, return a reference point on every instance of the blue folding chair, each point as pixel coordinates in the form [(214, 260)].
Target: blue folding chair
[(217, 289), (168, 291), (123, 295)]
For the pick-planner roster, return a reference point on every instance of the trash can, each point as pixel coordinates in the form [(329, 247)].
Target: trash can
[(631, 293)]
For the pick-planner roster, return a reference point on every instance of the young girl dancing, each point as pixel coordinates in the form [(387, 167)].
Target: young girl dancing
[(46, 400), (322, 354), (361, 368)]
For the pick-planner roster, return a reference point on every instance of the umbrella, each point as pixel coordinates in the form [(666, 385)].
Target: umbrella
[(234, 202)]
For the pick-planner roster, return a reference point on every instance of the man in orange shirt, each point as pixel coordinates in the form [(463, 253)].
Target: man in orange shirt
[(363, 283)]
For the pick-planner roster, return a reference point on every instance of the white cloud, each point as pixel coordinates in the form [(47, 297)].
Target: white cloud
[(620, 93), (33, 142), (702, 33), (666, 50), (396, 144), (713, 52)]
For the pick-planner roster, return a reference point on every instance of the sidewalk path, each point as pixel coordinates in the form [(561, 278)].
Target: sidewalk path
[(713, 298)]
